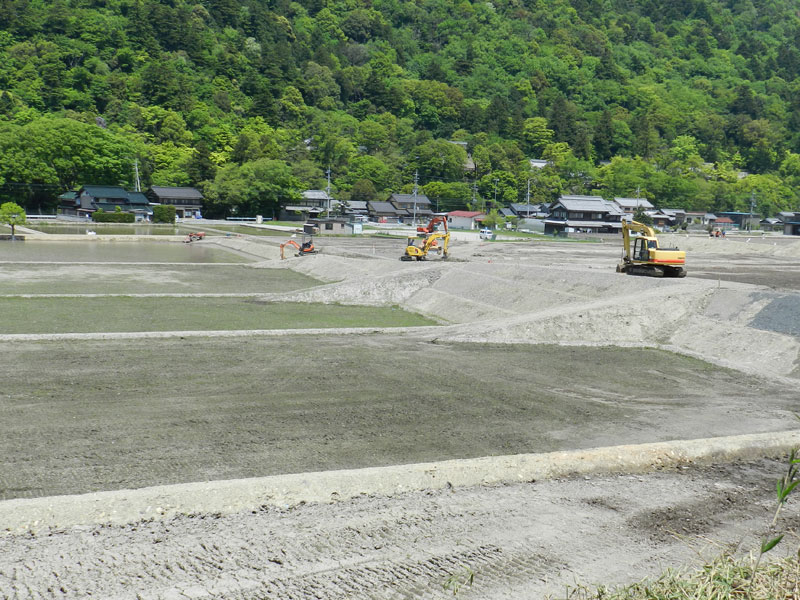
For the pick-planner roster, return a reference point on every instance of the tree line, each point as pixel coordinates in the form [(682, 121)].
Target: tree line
[(255, 101)]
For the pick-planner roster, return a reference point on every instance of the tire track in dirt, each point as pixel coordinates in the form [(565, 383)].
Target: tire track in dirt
[(522, 540)]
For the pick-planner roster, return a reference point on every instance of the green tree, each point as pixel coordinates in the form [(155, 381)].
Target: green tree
[(257, 187), (12, 214)]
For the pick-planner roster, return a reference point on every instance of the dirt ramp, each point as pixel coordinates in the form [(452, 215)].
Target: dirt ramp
[(365, 283)]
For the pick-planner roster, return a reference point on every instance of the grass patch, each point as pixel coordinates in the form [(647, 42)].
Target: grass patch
[(53, 279), (724, 578), (127, 314)]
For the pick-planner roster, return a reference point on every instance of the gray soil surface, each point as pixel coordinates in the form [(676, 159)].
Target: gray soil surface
[(528, 540), (542, 346), (240, 407)]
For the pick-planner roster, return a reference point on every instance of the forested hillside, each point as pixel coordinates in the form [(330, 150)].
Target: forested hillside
[(255, 100)]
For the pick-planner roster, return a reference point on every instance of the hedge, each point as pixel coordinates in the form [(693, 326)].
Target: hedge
[(113, 217)]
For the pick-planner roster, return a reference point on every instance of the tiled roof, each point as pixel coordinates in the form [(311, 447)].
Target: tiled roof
[(316, 195), (589, 204), (137, 198), (633, 202), (105, 191), (465, 213), (409, 198), (385, 208), (185, 193)]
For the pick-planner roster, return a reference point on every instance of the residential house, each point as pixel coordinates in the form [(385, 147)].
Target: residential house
[(188, 201), (631, 205), (465, 219), (91, 198), (311, 203), (677, 215), (591, 214), (530, 211), (415, 206), (356, 208), (724, 223), (791, 222), (537, 163), (666, 217), (703, 218), (742, 220), (385, 212), (771, 224)]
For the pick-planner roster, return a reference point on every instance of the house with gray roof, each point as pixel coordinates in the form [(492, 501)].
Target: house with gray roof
[(530, 211), (791, 222), (188, 201), (631, 205), (418, 206), (91, 198), (385, 212), (310, 203), (590, 214)]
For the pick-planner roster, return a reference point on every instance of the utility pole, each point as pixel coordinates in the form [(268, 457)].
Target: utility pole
[(137, 183), (416, 179), (752, 206), (495, 191), (328, 192), (474, 190), (528, 200)]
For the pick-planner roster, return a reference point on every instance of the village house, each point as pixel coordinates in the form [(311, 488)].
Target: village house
[(188, 201), (591, 214), (791, 222), (631, 205), (700, 218), (91, 198), (465, 219), (384, 212), (310, 203), (418, 206)]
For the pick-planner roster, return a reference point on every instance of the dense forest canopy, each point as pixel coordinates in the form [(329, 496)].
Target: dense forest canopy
[(255, 100)]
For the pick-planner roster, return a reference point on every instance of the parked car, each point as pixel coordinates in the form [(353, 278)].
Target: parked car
[(486, 233)]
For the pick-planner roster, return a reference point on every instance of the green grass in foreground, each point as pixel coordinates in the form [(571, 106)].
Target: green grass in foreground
[(724, 578), (122, 314)]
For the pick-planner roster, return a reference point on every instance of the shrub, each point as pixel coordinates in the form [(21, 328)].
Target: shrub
[(101, 216), (164, 214)]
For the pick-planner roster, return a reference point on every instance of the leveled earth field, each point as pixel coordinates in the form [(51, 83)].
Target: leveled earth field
[(130, 364)]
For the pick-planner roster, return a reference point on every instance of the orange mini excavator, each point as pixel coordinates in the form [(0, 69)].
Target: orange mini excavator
[(304, 248)]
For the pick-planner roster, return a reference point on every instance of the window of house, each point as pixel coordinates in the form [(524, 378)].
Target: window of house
[(577, 215), (328, 225)]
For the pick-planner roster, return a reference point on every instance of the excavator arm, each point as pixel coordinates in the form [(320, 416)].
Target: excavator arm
[(431, 227)]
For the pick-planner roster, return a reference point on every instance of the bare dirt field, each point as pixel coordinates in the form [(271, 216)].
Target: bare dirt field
[(540, 346)]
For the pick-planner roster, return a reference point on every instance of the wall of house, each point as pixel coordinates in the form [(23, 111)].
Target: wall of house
[(462, 223)]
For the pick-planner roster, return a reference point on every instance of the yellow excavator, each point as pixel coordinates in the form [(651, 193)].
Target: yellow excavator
[(647, 258), (428, 239)]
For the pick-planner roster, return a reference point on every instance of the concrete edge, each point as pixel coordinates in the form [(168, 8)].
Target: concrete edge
[(231, 496)]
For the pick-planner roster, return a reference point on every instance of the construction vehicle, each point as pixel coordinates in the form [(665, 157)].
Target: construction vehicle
[(647, 257), (304, 248), (432, 226), (428, 239), (194, 237)]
